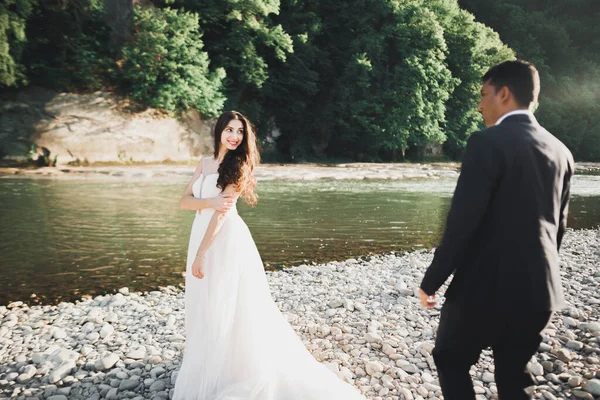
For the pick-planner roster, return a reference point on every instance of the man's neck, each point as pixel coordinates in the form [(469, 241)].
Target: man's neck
[(515, 111)]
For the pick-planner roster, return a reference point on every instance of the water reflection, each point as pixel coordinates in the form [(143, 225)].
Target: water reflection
[(61, 238)]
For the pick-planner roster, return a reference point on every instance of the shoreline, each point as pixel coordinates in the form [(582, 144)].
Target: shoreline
[(352, 171), (314, 171), (359, 317)]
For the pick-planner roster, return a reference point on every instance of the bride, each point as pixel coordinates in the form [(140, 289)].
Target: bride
[(239, 346)]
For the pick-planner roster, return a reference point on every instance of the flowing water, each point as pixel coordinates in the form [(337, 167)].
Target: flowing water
[(61, 238)]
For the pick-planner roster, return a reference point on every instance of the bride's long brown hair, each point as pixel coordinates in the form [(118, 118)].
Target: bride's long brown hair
[(237, 167)]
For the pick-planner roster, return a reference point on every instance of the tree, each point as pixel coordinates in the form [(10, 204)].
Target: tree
[(297, 89), (118, 15), (472, 49), (68, 45), (164, 65), (13, 19), (376, 79), (239, 37), (393, 91), (562, 40)]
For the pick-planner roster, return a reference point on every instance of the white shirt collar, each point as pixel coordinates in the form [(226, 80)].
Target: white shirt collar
[(515, 112)]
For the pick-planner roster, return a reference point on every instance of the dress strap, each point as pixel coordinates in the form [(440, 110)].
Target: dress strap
[(208, 167)]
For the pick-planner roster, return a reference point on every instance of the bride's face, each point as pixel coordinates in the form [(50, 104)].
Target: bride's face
[(233, 134)]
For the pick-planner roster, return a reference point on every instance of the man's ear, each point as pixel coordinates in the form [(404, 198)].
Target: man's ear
[(504, 94)]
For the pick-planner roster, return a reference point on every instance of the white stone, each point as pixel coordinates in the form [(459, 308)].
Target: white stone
[(38, 358), (137, 354), (107, 362), (537, 369), (61, 371), (570, 322), (410, 368), (488, 377), (335, 303), (60, 355), (106, 330), (27, 374), (59, 334), (591, 326), (373, 367), (176, 338), (348, 304), (111, 317), (88, 327), (86, 350), (373, 337), (405, 394), (117, 300)]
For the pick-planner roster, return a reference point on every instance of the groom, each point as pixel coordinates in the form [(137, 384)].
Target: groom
[(502, 237)]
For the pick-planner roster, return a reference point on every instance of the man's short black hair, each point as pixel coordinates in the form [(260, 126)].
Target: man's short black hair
[(521, 78)]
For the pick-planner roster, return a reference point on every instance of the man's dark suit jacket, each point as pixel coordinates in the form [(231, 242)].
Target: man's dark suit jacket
[(506, 221)]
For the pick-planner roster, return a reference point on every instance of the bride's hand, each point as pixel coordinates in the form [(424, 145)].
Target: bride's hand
[(198, 267), (223, 202)]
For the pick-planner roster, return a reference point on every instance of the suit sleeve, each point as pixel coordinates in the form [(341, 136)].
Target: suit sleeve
[(564, 206), (476, 184)]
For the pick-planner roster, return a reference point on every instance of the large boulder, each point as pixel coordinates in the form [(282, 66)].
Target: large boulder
[(97, 127)]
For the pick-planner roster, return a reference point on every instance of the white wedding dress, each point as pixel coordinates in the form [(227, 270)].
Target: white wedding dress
[(239, 346)]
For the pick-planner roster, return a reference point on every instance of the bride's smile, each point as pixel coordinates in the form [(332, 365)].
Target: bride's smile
[(233, 135), (238, 344)]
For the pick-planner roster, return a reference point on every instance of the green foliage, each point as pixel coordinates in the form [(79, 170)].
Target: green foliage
[(298, 89), (391, 93), (241, 38), (355, 79), (572, 112), (13, 19), (165, 67), (41, 157), (68, 45), (472, 49), (563, 40), (369, 79)]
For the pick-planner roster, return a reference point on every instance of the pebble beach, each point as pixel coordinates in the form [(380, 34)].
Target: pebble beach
[(359, 317)]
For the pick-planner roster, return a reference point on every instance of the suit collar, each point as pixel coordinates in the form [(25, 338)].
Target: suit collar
[(517, 116)]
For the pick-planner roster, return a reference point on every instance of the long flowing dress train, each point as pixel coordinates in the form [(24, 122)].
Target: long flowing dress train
[(238, 345)]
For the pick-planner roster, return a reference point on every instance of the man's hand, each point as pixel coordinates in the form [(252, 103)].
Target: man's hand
[(425, 299), (223, 202)]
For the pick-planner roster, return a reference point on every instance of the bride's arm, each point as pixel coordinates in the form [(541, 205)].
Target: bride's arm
[(189, 202), (215, 223)]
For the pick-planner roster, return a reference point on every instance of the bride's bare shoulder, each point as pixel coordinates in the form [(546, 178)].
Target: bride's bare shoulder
[(203, 164)]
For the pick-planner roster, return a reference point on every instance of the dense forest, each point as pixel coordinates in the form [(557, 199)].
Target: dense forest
[(562, 38), (364, 80)]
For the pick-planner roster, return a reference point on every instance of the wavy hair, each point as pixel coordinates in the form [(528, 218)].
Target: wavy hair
[(237, 167)]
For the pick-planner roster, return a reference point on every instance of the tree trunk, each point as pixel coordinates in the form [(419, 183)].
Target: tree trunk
[(118, 15)]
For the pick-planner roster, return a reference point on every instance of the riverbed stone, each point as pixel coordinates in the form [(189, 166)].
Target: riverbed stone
[(383, 346)]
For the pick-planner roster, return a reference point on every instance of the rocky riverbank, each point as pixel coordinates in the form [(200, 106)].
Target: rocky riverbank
[(359, 317), (351, 171)]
